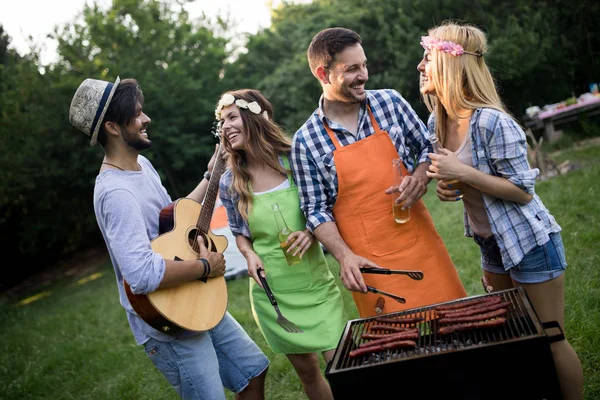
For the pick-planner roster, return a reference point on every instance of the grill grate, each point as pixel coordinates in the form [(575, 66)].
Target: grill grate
[(521, 322)]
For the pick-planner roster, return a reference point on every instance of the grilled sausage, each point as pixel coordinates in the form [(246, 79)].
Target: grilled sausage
[(375, 336), (379, 305), (388, 328), (364, 350), (471, 325), (400, 320), (400, 343), (472, 318), (476, 310), (377, 348), (392, 338), (469, 303)]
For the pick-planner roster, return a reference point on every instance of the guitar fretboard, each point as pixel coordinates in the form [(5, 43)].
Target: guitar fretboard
[(210, 198)]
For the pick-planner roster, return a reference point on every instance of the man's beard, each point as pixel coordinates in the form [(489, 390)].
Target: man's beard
[(135, 140), (346, 95)]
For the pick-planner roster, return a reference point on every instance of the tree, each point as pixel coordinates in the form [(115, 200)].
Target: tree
[(177, 62)]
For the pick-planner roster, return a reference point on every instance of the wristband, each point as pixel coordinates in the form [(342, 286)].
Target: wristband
[(206, 265), (207, 175)]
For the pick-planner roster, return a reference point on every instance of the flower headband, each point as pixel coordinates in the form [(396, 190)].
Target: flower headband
[(446, 46), (228, 100)]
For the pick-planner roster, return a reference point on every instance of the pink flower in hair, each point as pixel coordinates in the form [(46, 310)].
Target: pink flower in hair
[(445, 46)]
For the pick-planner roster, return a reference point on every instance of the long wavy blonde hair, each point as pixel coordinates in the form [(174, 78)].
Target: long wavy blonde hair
[(265, 140), (461, 83)]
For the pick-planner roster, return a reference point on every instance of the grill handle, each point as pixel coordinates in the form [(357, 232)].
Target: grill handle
[(553, 338)]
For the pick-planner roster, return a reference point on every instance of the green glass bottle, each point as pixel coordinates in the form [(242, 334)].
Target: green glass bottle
[(283, 232)]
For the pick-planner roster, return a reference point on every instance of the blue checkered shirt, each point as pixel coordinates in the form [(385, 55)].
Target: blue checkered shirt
[(312, 149), (499, 148)]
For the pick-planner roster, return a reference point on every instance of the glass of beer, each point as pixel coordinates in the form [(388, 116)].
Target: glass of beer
[(400, 216)]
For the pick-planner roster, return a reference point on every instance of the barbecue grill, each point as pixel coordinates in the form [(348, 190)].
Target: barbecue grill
[(510, 361)]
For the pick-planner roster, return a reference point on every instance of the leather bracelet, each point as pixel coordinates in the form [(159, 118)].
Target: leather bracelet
[(206, 265), (207, 175)]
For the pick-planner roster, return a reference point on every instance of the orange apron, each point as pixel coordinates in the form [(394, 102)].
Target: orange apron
[(363, 214)]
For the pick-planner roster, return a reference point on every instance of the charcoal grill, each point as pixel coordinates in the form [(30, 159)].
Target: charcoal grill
[(511, 361)]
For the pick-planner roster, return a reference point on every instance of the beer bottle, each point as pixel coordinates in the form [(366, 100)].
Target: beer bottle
[(283, 232), (435, 143), (456, 184)]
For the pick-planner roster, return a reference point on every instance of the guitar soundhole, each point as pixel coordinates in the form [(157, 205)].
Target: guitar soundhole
[(193, 241)]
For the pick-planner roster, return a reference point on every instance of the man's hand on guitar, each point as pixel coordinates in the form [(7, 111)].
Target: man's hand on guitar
[(215, 260)]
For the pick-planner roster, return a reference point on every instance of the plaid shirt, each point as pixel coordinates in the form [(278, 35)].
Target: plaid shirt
[(499, 148), (312, 149)]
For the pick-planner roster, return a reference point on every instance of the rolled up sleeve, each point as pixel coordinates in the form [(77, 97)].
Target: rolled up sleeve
[(507, 146)]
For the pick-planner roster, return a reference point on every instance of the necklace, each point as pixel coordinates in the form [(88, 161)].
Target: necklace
[(112, 165)]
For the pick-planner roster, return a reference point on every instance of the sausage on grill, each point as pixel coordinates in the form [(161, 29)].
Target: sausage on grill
[(392, 338), (377, 348), (469, 303), (476, 310), (472, 318), (375, 336), (388, 328), (488, 302), (399, 320), (471, 325)]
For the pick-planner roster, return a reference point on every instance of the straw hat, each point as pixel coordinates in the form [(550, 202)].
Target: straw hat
[(89, 105)]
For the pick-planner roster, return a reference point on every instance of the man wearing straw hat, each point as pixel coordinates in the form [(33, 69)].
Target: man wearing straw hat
[(128, 198)]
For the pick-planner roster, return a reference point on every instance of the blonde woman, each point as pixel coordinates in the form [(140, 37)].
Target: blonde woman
[(258, 176), (485, 149)]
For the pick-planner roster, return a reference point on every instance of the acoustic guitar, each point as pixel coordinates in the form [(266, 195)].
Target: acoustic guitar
[(192, 306)]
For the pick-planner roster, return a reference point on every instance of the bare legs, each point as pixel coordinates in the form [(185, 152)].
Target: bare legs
[(309, 371), (548, 301), (255, 389)]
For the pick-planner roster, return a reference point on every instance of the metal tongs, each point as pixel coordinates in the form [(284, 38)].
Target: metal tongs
[(399, 299), (416, 275)]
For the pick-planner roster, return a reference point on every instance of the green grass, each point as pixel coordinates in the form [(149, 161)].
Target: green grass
[(75, 343)]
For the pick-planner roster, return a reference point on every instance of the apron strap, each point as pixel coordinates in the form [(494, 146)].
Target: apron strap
[(333, 138), (286, 164), (373, 120), (336, 143)]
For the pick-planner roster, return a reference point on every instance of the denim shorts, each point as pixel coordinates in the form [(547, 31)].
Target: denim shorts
[(541, 264), (200, 366)]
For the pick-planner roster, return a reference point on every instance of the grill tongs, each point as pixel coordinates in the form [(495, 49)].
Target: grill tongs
[(416, 275), (399, 299)]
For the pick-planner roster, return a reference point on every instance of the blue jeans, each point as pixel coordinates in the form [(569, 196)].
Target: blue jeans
[(541, 264), (198, 367)]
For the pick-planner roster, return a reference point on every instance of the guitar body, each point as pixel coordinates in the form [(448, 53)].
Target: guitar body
[(192, 306)]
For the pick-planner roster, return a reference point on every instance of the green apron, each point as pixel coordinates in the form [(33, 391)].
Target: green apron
[(306, 292)]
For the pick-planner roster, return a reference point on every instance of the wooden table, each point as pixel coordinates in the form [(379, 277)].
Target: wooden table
[(548, 119)]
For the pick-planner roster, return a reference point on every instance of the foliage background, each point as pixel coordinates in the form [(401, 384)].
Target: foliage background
[(540, 52)]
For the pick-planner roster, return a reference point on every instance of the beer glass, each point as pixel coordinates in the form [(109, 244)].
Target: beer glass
[(400, 216)]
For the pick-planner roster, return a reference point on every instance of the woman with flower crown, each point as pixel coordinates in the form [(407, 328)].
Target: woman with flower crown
[(484, 151), (258, 176)]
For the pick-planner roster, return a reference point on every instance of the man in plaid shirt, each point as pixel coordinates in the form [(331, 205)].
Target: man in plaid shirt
[(342, 164)]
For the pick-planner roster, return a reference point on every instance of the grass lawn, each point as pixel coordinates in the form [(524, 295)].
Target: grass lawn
[(72, 340)]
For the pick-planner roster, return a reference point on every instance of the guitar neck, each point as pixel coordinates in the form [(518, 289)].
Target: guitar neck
[(210, 198)]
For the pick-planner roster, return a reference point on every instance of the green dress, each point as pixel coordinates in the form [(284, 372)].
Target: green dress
[(306, 292)]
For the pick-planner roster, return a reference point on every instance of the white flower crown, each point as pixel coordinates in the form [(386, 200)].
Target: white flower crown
[(228, 100)]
